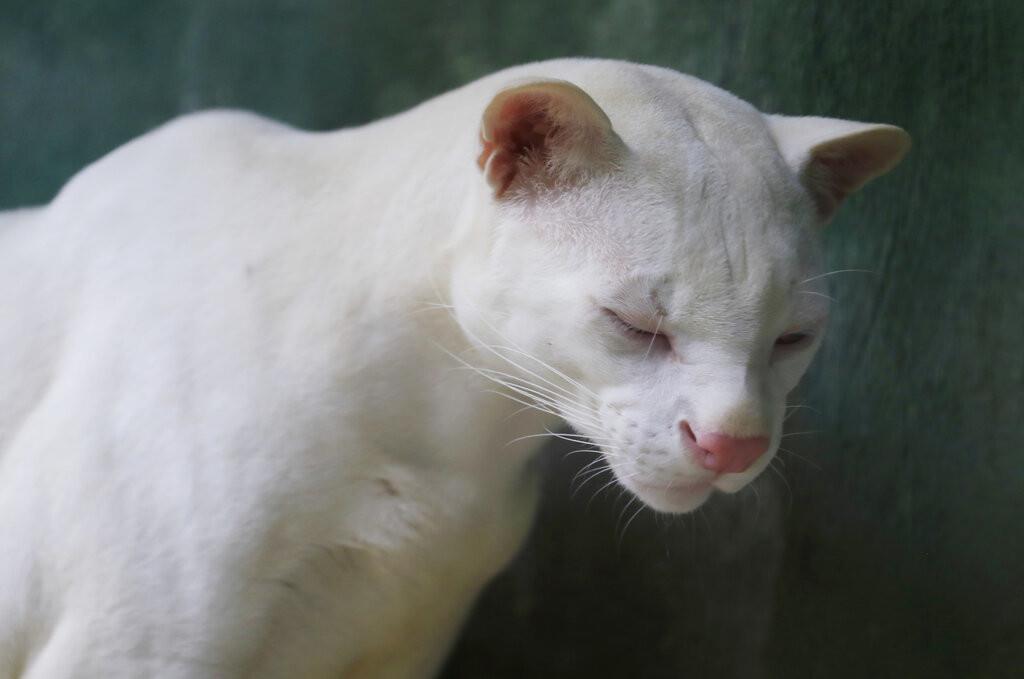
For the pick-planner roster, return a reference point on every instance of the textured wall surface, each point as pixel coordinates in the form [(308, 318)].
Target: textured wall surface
[(890, 543)]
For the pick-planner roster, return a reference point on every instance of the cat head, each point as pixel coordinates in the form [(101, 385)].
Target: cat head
[(652, 271)]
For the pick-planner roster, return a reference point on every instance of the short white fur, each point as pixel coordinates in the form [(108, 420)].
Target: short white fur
[(246, 426)]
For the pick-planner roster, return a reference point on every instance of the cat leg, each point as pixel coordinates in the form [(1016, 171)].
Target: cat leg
[(63, 655)]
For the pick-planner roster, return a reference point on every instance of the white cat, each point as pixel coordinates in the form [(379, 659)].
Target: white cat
[(246, 420)]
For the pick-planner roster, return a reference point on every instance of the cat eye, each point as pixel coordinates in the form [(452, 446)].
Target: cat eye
[(649, 336), (791, 339)]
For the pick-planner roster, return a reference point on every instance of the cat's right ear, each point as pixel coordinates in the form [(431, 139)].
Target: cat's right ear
[(833, 158), (544, 134)]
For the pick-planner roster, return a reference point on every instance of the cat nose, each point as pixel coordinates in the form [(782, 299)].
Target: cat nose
[(725, 454)]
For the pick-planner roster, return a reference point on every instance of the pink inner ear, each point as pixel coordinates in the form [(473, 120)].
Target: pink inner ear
[(520, 135)]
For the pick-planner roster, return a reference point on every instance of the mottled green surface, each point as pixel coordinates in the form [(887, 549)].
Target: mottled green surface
[(895, 548)]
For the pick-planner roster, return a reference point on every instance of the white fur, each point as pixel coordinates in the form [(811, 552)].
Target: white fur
[(238, 433)]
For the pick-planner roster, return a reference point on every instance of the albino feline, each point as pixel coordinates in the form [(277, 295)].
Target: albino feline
[(239, 431)]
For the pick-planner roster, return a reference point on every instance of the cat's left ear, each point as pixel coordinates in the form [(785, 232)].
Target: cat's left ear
[(833, 157)]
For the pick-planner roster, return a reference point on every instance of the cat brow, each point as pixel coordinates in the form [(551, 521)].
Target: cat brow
[(639, 293)]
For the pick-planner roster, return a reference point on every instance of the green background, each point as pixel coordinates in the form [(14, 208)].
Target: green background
[(892, 544)]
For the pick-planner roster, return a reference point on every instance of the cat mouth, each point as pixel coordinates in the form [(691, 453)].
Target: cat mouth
[(674, 497)]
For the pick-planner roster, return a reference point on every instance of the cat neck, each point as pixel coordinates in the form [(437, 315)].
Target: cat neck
[(419, 236)]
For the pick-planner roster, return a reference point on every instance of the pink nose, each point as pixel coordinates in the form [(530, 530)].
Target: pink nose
[(725, 454)]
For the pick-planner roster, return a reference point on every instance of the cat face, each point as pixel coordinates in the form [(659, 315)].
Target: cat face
[(662, 290)]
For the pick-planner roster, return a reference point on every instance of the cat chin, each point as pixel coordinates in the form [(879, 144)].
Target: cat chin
[(671, 499)]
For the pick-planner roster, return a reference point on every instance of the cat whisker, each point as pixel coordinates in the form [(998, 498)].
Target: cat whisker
[(540, 398), (532, 406), (595, 462), (561, 396), (554, 370), (589, 476), (495, 349), (592, 469), (757, 501), (540, 404), (793, 409), (432, 306), (833, 273), (548, 399), (789, 489), (581, 482), (817, 294), (565, 437), (590, 450), (611, 483), (516, 412), (654, 336), (622, 513), (561, 408), (525, 370), (800, 457), (800, 433), (615, 479), (626, 527), (562, 392)]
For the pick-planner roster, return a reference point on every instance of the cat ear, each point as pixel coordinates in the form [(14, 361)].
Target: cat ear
[(833, 157), (547, 132)]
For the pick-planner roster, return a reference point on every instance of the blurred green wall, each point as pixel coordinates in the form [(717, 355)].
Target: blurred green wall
[(892, 545)]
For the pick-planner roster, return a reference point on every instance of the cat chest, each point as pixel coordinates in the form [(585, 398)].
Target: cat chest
[(405, 571)]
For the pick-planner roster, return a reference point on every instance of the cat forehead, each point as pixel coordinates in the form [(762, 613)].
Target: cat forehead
[(698, 218), (698, 172), (677, 256), (718, 272), (709, 219), (702, 192)]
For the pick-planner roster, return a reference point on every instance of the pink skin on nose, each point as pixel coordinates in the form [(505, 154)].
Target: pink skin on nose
[(725, 454)]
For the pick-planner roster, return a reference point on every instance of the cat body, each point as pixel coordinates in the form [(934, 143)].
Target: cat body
[(247, 420)]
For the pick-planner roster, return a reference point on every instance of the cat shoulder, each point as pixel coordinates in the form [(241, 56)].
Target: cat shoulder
[(195, 143)]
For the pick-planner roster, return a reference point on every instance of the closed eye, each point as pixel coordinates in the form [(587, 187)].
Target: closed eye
[(651, 338), (793, 339)]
